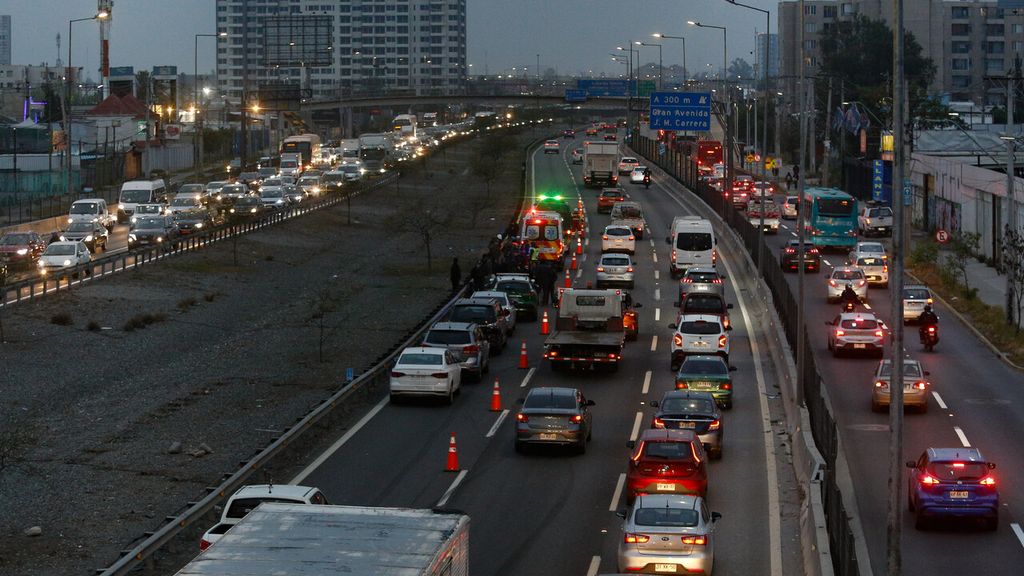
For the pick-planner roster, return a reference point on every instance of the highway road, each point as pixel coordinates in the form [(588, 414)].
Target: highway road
[(977, 400), (551, 512)]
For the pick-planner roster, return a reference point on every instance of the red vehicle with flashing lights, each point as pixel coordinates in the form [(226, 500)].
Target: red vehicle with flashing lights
[(667, 461), (544, 232), (709, 153)]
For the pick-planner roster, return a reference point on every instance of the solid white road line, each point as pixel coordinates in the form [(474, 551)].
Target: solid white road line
[(619, 485), (451, 489), (339, 443), (827, 263), (963, 437), (795, 234), (657, 314), (595, 564), (657, 293), (1018, 532), (497, 424), (938, 400), (654, 343), (636, 426), (526, 379), (647, 382)]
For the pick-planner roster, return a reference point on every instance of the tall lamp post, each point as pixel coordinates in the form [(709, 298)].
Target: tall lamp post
[(101, 15), (629, 90), (730, 171), (198, 134), (658, 46), (683, 38), (764, 135)]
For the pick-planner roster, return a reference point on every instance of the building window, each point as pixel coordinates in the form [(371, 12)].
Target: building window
[(829, 11), (960, 47), (1018, 47), (810, 10), (810, 27), (960, 29), (960, 12), (810, 45), (961, 81), (994, 47), (995, 30), (993, 65), (961, 64), (849, 9), (1017, 28)]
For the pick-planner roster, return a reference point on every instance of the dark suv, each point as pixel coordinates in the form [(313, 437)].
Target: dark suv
[(486, 313), (789, 257), (466, 342)]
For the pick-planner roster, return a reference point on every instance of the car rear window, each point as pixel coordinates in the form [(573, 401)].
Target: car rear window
[(848, 274), (590, 300), (668, 450), (916, 294), (701, 327), (682, 517), (617, 232), (615, 261), (448, 337), (611, 194), (870, 261), (473, 313), (953, 471), (548, 400), (420, 359), (704, 367), (693, 241), (696, 303), (687, 406), (859, 324), (910, 370), (514, 287), (879, 212), (242, 506), (627, 212)]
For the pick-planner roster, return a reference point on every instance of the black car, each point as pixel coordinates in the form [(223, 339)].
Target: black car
[(245, 208), (486, 313), (194, 221), (93, 234), (691, 410), (149, 230), (789, 257), (293, 193)]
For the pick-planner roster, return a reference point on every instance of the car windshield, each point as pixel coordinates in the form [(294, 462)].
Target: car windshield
[(545, 399), (688, 406), (333, 177), (349, 169), (916, 294), (859, 324), (678, 517), (611, 194), (135, 196), (848, 274), (84, 208), (879, 212), (700, 327), (473, 313), (309, 181), (194, 188), (15, 239), (614, 261), (234, 189), (59, 250), (183, 202), (698, 303), (267, 171), (910, 370), (956, 471), (704, 367), (80, 227), (272, 182), (617, 232), (247, 201), (276, 193), (148, 209), (693, 241), (420, 359), (149, 223), (667, 450), (448, 337), (214, 186)]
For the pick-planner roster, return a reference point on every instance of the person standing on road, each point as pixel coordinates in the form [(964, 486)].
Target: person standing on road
[(455, 274), (548, 284)]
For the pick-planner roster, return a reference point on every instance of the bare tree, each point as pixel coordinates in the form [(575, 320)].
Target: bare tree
[(424, 221), (322, 303), (1013, 267), (965, 246), (486, 168)]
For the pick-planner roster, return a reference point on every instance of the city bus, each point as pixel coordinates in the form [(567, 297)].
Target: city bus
[(306, 144), (830, 217), (405, 125)]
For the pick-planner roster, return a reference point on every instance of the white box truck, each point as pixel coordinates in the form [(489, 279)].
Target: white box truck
[(600, 161), (310, 539)]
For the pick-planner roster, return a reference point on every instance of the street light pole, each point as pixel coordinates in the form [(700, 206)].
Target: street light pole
[(196, 124), (730, 170), (101, 15), (658, 35)]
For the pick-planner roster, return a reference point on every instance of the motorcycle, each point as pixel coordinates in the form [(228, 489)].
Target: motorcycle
[(849, 306), (929, 336), (647, 182)]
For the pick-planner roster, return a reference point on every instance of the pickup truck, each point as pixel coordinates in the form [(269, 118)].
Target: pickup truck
[(875, 220), (589, 329), (630, 214), (771, 214), (249, 497)]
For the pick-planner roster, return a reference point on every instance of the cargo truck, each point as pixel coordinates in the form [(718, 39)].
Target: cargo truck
[(310, 539), (589, 330), (600, 161)]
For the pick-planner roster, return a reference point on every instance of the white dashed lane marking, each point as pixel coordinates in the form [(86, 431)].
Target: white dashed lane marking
[(938, 400), (654, 343), (963, 437), (647, 382)]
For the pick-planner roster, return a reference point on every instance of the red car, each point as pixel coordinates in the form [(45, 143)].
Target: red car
[(667, 461), (608, 198), (21, 248)]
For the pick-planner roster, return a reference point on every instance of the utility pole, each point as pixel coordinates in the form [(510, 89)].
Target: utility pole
[(812, 128), (894, 518), (1011, 203), (243, 121), (801, 338), (825, 164), (149, 106)]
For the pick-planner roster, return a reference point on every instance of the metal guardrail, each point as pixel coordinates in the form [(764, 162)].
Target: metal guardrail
[(377, 375), (823, 426), (65, 279)]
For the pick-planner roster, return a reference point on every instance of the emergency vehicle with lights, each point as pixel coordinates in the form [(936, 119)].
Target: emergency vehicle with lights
[(544, 232)]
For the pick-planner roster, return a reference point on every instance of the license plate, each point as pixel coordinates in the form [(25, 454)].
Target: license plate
[(687, 424), (959, 494), (664, 567), (548, 436), (666, 487), (860, 345)]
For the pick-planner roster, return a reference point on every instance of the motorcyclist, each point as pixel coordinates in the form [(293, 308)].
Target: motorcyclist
[(647, 178), (849, 295), (927, 318)]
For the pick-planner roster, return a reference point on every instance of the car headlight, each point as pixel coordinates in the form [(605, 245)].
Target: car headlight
[(95, 219), (22, 251), (67, 262), (42, 265), (159, 238), (253, 210), (120, 207), (88, 238), (316, 189), (70, 220), (133, 238), (199, 225), (63, 239), (232, 211), (279, 201)]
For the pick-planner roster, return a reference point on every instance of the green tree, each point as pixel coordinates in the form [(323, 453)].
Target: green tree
[(52, 111), (142, 81), (740, 68)]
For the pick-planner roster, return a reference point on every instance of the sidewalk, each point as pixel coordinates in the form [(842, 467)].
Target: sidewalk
[(990, 283)]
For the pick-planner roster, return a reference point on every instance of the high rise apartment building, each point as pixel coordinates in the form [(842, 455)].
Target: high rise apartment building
[(5, 39), (973, 44), (378, 46), (769, 42)]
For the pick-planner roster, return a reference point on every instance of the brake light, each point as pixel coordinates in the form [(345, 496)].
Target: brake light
[(885, 269), (677, 339), (471, 349), (931, 329), (632, 238), (693, 450), (698, 540), (722, 340), (929, 300), (840, 333), (727, 386), (726, 323), (630, 269), (631, 538), (682, 386), (687, 280), (612, 356), (879, 334), (673, 256), (576, 419), (881, 384), (715, 425), (439, 375), (860, 283), (920, 384), (833, 284), (204, 544), (395, 374), (987, 481), (657, 423), (520, 417), (716, 281), (605, 237), (551, 354), (790, 250), (813, 250), (928, 480)]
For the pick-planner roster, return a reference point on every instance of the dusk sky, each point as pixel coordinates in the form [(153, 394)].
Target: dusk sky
[(572, 36)]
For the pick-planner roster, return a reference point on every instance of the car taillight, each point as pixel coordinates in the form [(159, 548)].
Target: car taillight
[(726, 322), (682, 385), (605, 237), (471, 349), (722, 340), (630, 269), (881, 384), (631, 538), (698, 540), (439, 375), (600, 268), (396, 374), (840, 333), (860, 283), (987, 481), (677, 340), (715, 425), (726, 386), (790, 250), (716, 281), (687, 280), (920, 385), (576, 419), (657, 423), (832, 283), (928, 480), (632, 238), (520, 417), (879, 334), (931, 329), (929, 300), (673, 256), (885, 269)]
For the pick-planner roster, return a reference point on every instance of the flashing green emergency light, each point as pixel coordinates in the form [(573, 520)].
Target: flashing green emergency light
[(544, 197)]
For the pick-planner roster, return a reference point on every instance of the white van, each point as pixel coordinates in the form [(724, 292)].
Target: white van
[(135, 192), (693, 244), (291, 164), (91, 210)]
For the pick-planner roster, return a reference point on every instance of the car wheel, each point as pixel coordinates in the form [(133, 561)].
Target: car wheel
[(451, 395), (581, 447)]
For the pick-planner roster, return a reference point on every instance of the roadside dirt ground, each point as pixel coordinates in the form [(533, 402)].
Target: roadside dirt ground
[(231, 356)]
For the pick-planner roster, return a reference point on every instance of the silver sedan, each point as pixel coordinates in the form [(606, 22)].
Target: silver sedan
[(668, 533), (843, 275), (615, 269)]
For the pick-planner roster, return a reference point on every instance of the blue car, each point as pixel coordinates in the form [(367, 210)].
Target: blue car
[(953, 483)]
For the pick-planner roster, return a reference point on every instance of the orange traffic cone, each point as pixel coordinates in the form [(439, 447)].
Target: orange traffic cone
[(573, 265), (453, 456), (568, 281), (524, 362), (496, 397), (545, 328), (579, 244)]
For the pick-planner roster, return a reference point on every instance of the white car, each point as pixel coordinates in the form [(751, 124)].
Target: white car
[(771, 214), (856, 332), (618, 238), (875, 220), (876, 249), (789, 207), (186, 203), (915, 298), (637, 175), (63, 255), (843, 275), (506, 304), (551, 147), (577, 156), (875, 269), (615, 269), (668, 533), (142, 210), (423, 371), (627, 164), (249, 497), (698, 334)]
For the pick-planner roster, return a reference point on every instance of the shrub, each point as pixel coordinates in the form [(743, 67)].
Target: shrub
[(93, 326), (186, 303), (210, 296), (925, 253), (142, 320), (62, 319)]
